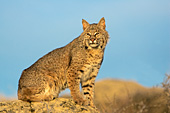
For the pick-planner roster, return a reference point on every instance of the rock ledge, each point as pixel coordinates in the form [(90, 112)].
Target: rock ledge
[(59, 105)]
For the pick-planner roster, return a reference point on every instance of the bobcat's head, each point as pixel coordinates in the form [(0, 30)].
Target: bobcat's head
[(94, 36)]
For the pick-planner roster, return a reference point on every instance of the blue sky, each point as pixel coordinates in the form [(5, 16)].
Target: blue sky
[(139, 46)]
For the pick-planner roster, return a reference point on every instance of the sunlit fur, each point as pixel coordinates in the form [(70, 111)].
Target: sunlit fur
[(67, 67)]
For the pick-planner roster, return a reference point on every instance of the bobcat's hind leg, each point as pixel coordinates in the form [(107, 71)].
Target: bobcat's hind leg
[(35, 94)]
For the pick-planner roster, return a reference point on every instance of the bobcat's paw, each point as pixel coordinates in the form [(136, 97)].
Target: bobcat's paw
[(81, 101)]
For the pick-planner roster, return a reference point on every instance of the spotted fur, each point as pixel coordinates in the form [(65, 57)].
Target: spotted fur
[(67, 67)]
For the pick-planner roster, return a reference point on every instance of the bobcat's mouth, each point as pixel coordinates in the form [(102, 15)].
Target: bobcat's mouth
[(93, 43)]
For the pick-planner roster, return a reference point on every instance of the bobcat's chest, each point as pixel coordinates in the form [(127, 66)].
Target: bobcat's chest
[(92, 65), (94, 57)]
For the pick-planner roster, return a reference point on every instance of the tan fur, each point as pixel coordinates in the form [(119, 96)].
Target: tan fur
[(67, 67)]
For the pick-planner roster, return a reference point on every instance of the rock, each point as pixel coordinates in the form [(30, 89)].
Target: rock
[(59, 105)]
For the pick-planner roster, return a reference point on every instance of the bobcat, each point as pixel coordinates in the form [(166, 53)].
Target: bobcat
[(67, 67)]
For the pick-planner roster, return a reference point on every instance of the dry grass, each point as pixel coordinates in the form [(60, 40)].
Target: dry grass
[(117, 96)]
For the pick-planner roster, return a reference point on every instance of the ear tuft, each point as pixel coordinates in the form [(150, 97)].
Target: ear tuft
[(85, 24), (102, 23)]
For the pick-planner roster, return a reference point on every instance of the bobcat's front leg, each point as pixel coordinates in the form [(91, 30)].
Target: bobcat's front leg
[(88, 87), (73, 81)]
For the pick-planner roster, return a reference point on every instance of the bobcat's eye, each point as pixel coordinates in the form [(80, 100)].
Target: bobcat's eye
[(96, 33), (88, 34)]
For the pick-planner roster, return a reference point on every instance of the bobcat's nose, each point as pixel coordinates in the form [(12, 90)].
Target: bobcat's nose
[(92, 40)]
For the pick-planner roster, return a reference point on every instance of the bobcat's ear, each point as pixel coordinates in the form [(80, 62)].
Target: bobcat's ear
[(102, 23), (85, 24)]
